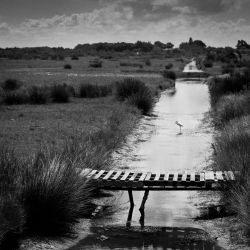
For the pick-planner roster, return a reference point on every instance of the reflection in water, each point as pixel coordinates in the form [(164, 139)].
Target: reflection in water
[(171, 238), (165, 149)]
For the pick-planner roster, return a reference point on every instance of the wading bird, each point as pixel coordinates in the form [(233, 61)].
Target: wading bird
[(180, 125)]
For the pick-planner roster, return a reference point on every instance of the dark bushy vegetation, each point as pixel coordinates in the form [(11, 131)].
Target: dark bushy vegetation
[(136, 93), (38, 95), (10, 84), (148, 62), (96, 63), (67, 66), (93, 91), (16, 97), (131, 64), (59, 93), (128, 87), (168, 66), (143, 100), (208, 64), (169, 74), (233, 84)]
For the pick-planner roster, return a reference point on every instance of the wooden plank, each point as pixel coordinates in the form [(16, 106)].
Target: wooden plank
[(209, 176), (202, 177), (219, 176), (148, 176), (175, 179), (132, 178), (93, 172), (85, 172), (231, 175), (192, 177), (97, 176), (226, 177), (184, 177), (157, 177), (124, 177), (116, 175), (143, 176), (166, 177), (108, 175)]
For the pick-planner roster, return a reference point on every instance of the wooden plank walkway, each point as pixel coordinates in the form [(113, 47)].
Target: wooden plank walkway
[(139, 181)]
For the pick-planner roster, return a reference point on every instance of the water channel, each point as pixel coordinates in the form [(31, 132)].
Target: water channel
[(161, 147)]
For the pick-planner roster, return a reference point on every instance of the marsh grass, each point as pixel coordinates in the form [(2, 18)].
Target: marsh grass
[(143, 100), (38, 95), (232, 147), (233, 84), (10, 84), (94, 91), (59, 93), (230, 107), (169, 74), (44, 194), (20, 96)]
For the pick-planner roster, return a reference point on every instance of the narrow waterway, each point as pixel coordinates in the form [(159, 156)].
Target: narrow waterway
[(163, 148)]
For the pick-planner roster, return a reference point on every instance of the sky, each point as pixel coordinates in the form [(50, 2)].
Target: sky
[(30, 23)]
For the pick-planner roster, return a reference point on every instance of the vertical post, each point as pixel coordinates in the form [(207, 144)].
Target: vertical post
[(130, 193), (141, 209)]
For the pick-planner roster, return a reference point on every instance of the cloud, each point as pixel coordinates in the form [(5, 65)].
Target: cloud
[(4, 29)]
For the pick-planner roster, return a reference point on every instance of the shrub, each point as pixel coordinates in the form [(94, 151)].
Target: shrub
[(96, 63), (74, 57), (128, 87), (67, 66), (232, 106), (10, 84), (92, 91), (232, 153), (59, 93), (208, 64), (234, 84), (169, 66), (38, 95), (148, 62), (228, 69), (54, 197), (16, 97), (143, 100), (131, 64), (169, 74)]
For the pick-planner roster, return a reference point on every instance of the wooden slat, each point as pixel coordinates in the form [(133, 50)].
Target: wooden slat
[(157, 177), (219, 176), (108, 175), (175, 179), (224, 173), (132, 178), (166, 177), (231, 175), (116, 175), (85, 171), (124, 177), (96, 177), (93, 172), (192, 177), (183, 178), (209, 176), (148, 176), (143, 176)]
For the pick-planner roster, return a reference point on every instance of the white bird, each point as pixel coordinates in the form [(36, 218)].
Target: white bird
[(180, 125)]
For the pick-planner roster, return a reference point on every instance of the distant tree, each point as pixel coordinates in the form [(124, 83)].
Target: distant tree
[(190, 40), (242, 45), (160, 45), (169, 45)]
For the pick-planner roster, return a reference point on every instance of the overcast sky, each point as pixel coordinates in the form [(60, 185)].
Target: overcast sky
[(70, 22)]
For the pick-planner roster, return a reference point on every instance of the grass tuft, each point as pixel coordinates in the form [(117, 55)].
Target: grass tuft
[(67, 66), (10, 84), (59, 93), (94, 91), (38, 95), (169, 74)]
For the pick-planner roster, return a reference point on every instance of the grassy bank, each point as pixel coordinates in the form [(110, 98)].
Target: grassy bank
[(49, 133), (230, 99)]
